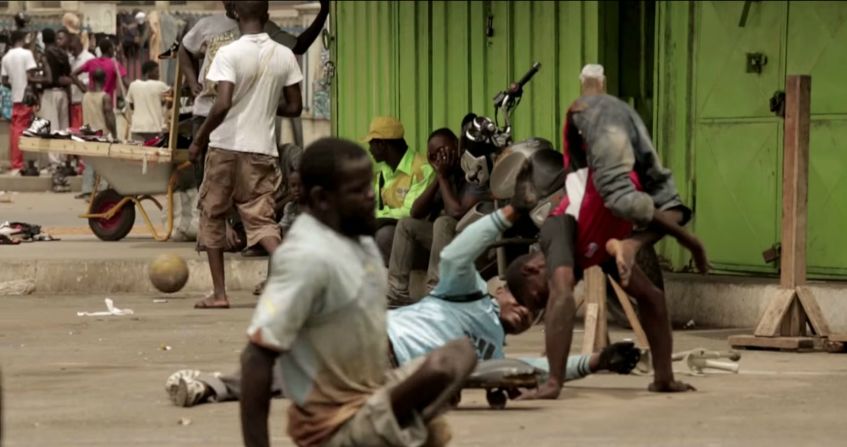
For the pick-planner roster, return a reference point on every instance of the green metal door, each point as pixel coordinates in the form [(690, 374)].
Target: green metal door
[(736, 139), (817, 45), (431, 62)]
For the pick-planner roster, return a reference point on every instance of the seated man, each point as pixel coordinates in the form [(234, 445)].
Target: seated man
[(400, 177), (445, 200), (614, 183), (322, 316), (458, 307)]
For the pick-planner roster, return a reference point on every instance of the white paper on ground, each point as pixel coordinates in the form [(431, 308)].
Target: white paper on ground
[(110, 310)]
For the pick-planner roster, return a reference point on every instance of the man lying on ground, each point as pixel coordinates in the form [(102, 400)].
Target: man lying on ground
[(458, 307), (615, 184)]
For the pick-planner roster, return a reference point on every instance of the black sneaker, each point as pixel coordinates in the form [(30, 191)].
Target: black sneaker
[(30, 170), (60, 183), (621, 357)]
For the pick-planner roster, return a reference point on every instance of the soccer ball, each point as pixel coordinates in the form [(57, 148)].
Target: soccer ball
[(168, 273)]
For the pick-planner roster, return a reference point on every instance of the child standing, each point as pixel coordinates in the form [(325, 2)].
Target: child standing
[(98, 113)]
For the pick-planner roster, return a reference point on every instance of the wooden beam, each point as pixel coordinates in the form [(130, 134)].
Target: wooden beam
[(782, 343), (795, 181), (813, 311), (623, 298), (591, 311), (794, 320), (838, 337), (173, 131), (771, 321), (595, 293)]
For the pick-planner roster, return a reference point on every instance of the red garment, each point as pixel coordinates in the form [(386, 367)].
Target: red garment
[(21, 116), (76, 116), (595, 223), (108, 66)]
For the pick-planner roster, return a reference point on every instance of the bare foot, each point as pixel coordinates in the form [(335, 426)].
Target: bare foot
[(670, 387), (624, 252), (212, 302)]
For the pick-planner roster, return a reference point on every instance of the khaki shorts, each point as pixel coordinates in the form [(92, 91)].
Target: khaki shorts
[(247, 181), (375, 425)]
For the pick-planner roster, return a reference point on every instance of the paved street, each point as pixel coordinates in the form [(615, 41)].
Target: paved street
[(93, 381)]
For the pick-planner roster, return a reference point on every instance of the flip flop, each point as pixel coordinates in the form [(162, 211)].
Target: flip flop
[(204, 304)]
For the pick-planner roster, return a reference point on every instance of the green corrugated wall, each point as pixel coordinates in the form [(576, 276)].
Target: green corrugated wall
[(430, 63)]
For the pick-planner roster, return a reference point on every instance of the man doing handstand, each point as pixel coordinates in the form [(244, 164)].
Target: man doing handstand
[(614, 184)]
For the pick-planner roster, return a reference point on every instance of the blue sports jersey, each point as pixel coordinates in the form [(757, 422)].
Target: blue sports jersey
[(429, 324)]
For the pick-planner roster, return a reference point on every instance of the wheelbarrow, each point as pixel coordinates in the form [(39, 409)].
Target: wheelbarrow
[(135, 174), (111, 212)]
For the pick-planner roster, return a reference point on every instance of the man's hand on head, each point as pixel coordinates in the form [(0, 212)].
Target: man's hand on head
[(444, 161)]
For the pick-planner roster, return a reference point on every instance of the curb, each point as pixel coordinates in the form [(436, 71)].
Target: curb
[(75, 277), (44, 183)]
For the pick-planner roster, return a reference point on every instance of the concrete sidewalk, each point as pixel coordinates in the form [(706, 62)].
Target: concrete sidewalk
[(92, 266), (81, 264), (42, 183)]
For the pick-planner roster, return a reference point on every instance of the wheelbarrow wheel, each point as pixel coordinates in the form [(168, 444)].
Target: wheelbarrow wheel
[(120, 224)]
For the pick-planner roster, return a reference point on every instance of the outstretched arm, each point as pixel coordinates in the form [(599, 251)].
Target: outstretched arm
[(307, 37), (457, 270)]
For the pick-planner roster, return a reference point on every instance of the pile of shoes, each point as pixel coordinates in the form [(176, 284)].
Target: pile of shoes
[(13, 233), (86, 133)]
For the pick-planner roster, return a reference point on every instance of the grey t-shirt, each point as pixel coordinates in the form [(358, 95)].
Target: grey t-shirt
[(324, 308), (206, 37)]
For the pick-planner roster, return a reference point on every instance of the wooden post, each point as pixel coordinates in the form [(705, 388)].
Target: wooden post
[(795, 181), (173, 132), (596, 324), (783, 325)]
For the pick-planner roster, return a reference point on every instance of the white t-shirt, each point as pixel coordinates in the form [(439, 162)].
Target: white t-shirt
[(15, 64), (147, 112), (260, 68), (76, 62), (207, 36), (324, 308)]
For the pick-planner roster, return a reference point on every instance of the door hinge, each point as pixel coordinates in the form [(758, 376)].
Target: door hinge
[(772, 254), (777, 103), (756, 62)]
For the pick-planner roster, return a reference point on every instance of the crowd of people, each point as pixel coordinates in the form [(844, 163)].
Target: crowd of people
[(63, 81), (337, 329)]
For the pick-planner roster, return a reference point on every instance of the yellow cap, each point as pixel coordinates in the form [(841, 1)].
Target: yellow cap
[(384, 128)]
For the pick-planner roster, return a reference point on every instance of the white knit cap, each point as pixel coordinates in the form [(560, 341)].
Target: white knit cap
[(592, 71)]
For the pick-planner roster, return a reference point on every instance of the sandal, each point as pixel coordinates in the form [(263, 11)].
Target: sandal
[(209, 302)]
